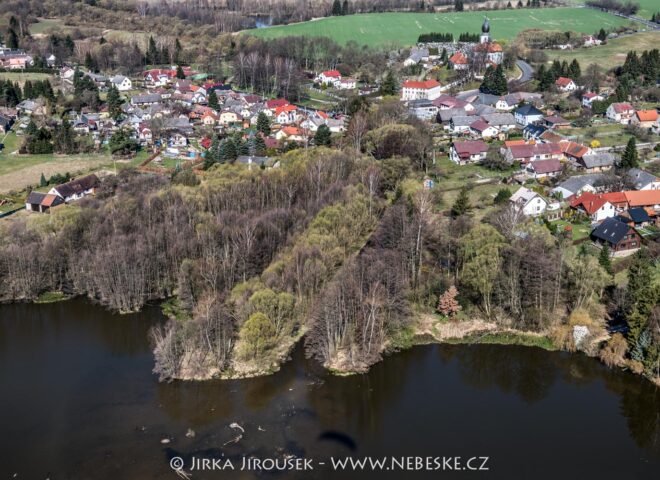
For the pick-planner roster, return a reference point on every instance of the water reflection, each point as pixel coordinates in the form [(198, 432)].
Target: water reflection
[(77, 387)]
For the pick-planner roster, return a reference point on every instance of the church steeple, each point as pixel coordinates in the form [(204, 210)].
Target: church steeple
[(485, 31), (485, 28)]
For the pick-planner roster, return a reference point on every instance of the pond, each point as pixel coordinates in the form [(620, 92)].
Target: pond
[(78, 400)]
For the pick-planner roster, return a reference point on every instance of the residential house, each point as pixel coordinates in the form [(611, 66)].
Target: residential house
[(286, 115), (176, 140), (423, 109), (42, 202), (504, 122), (590, 97), (544, 168), (122, 83), (76, 189), (469, 151), (573, 151), (636, 217), (329, 77), (527, 153), (644, 198), (461, 124), (347, 84), (482, 129), (510, 101), (642, 180), (290, 133), (590, 41), (576, 185), (533, 132), (527, 114), (621, 238), (210, 119), (556, 122), (459, 61), (417, 54), (227, 117), (644, 118), (529, 202), (597, 162), (594, 206), (413, 90), (620, 112), (145, 99), (618, 199), (565, 84)]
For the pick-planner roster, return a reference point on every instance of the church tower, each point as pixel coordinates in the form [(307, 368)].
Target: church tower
[(485, 32)]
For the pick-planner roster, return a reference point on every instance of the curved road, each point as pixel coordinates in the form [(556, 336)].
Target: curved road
[(527, 72)]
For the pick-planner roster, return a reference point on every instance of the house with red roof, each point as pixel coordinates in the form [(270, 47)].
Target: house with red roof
[(645, 118), (415, 90), (458, 61), (532, 152), (565, 84), (469, 151), (590, 97), (482, 129), (620, 112), (329, 77), (286, 115), (594, 206), (276, 103), (544, 168)]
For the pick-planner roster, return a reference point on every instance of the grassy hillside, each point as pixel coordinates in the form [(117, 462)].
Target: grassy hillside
[(404, 28), (612, 54)]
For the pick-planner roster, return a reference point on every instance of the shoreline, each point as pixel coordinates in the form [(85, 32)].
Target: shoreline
[(428, 329)]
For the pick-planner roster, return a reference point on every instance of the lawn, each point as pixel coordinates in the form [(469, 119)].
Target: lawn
[(388, 29), (580, 230), (612, 54), (608, 135), (21, 78)]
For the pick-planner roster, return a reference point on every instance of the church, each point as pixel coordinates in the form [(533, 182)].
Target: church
[(493, 50)]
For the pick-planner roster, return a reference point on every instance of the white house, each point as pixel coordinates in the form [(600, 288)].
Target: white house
[(414, 90), (591, 41), (565, 84), (329, 77), (470, 151), (595, 206), (347, 84), (529, 202), (122, 83), (620, 112), (75, 189), (590, 97), (528, 114)]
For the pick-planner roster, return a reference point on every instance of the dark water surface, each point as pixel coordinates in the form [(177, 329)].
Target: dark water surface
[(78, 401)]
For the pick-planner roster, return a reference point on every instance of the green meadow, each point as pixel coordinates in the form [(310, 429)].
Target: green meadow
[(402, 29)]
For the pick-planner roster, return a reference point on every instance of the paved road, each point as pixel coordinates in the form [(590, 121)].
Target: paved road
[(527, 72)]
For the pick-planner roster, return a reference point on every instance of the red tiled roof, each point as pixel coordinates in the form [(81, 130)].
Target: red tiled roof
[(622, 107), (563, 82), (278, 102), (647, 115), (332, 73), (480, 125), (426, 85), (643, 198), (458, 58), (550, 165), (470, 147), (589, 202)]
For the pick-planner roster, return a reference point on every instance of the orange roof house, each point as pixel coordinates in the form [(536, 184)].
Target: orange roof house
[(643, 198)]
